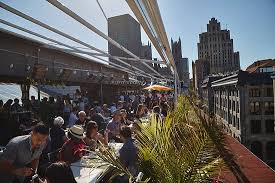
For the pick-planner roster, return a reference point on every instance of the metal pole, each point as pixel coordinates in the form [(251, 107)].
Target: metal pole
[(38, 93), (35, 21), (175, 89), (101, 93)]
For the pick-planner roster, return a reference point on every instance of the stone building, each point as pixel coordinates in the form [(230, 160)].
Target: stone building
[(216, 46), (208, 94), (244, 104), (181, 63), (200, 70)]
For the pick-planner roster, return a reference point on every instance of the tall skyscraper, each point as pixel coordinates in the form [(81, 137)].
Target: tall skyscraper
[(181, 63), (125, 30), (216, 46)]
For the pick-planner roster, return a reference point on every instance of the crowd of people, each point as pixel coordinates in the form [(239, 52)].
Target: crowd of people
[(69, 126)]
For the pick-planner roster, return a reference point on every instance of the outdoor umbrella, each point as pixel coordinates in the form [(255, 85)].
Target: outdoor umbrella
[(158, 88)]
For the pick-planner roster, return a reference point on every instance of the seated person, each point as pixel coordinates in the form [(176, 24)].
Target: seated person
[(114, 126), (93, 136), (55, 170), (20, 159), (57, 134), (124, 120), (73, 118), (156, 115), (128, 152), (97, 117), (106, 112), (81, 118), (73, 149)]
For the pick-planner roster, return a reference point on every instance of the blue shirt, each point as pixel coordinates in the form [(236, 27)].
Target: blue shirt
[(128, 156), (19, 153)]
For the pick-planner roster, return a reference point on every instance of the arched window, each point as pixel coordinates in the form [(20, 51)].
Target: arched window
[(256, 148), (270, 150)]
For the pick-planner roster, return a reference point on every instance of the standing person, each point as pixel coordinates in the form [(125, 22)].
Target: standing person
[(93, 136), (113, 108), (55, 170), (135, 104), (21, 156), (128, 152), (114, 126), (147, 101), (73, 118), (67, 110), (1, 106), (81, 105), (7, 106), (59, 106), (82, 120), (73, 149), (121, 97), (57, 134), (16, 107)]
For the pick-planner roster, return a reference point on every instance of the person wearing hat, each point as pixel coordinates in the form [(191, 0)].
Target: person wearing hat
[(73, 149)]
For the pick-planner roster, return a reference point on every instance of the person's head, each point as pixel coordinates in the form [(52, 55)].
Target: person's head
[(58, 121), (156, 109), (76, 133), (55, 170), (82, 116), (123, 113), (39, 135), (117, 117), (32, 97), (105, 107), (1, 103), (140, 109), (75, 110), (51, 99), (91, 128), (45, 99), (125, 133), (92, 111), (16, 101)]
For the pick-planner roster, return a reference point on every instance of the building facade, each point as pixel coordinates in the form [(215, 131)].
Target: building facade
[(216, 46), (208, 94), (200, 70), (244, 104), (181, 63), (125, 30)]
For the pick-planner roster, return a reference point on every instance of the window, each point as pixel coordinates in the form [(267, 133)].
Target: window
[(234, 107), (255, 126), (269, 108), (270, 150), (255, 108), (254, 93), (237, 107), (256, 148), (269, 126), (269, 92)]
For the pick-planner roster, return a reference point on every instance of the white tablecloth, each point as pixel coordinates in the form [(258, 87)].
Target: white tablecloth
[(86, 175), (83, 174)]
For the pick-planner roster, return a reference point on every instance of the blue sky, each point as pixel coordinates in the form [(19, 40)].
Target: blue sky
[(251, 22)]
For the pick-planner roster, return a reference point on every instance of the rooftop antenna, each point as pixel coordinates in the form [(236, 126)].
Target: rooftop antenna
[(226, 26)]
